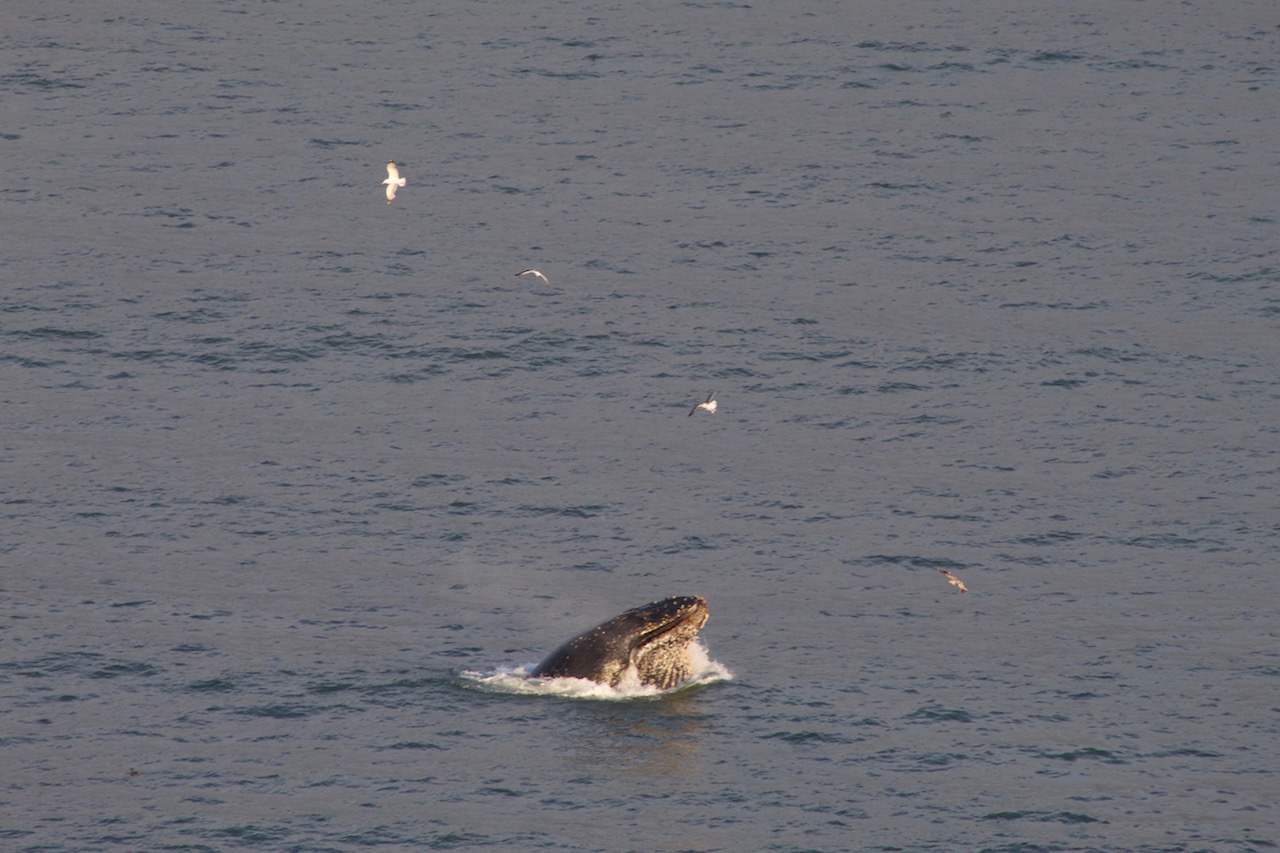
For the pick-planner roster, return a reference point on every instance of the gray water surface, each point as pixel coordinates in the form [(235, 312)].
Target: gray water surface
[(986, 287)]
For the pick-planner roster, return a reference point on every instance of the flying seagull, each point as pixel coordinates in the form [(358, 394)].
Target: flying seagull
[(709, 405), (534, 273), (393, 180), (954, 581)]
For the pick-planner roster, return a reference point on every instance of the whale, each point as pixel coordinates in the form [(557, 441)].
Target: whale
[(649, 643)]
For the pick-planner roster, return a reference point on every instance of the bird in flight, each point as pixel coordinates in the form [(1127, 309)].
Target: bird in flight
[(709, 404), (393, 181), (954, 581), (535, 274)]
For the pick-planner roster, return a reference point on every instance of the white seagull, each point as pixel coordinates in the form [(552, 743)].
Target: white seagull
[(709, 405), (393, 180), (534, 273)]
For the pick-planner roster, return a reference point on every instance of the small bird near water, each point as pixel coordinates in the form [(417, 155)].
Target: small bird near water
[(535, 274), (954, 581), (393, 181), (709, 404)]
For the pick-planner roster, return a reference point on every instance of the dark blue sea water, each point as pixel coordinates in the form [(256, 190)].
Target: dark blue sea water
[(989, 287)]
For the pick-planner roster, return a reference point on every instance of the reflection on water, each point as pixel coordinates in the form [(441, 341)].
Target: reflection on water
[(657, 739)]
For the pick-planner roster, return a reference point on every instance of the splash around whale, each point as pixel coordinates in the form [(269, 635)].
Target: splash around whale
[(651, 650)]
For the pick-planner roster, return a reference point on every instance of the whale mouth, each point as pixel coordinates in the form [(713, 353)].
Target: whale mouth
[(659, 655), (673, 620), (647, 645)]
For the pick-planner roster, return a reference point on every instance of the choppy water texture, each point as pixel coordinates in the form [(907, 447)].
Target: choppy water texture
[(986, 287)]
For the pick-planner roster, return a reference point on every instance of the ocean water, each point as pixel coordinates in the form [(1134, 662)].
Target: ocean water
[(992, 288)]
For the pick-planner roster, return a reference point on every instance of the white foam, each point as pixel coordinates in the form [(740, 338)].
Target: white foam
[(516, 679)]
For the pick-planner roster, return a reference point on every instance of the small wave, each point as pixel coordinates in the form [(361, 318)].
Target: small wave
[(516, 680)]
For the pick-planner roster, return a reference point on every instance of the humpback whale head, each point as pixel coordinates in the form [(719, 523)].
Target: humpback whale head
[(651, 641)]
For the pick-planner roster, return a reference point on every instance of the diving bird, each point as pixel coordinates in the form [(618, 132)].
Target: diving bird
[(535, 274), (709, 405), (393, 180), (650, 642)]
